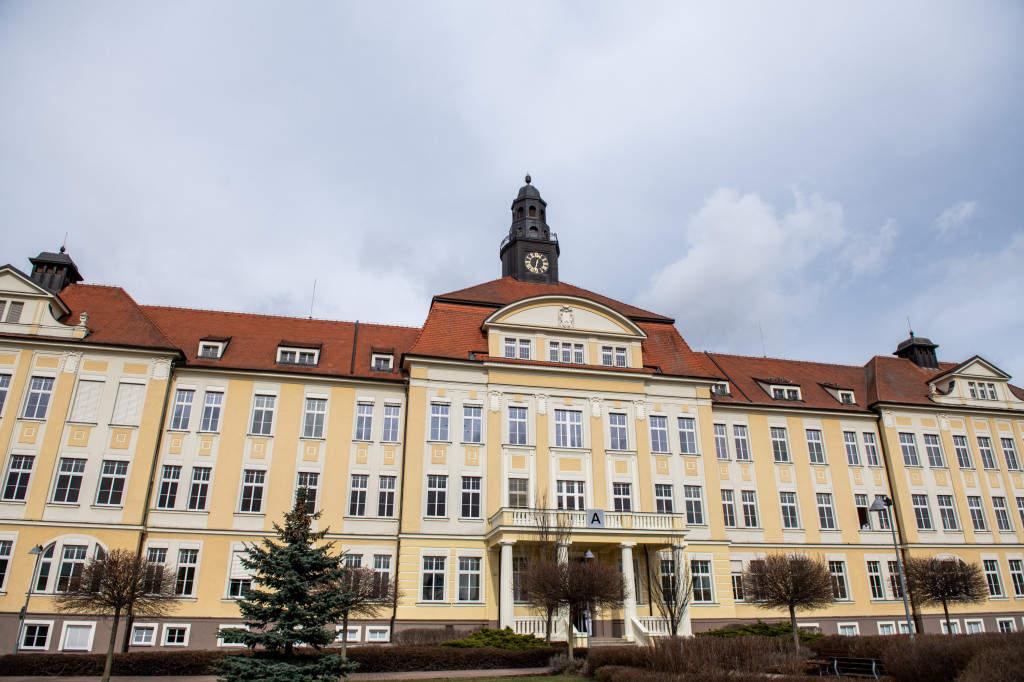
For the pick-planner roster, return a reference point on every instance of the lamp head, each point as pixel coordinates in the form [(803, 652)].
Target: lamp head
[(881, 502), (36, 551), (589, 555)]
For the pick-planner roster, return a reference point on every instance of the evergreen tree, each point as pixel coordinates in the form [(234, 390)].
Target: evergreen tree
[(295, 595)]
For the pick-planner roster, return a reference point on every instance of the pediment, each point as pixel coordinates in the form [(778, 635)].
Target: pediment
[(564, 314), (35, 309), (14, 282), (976, 368)]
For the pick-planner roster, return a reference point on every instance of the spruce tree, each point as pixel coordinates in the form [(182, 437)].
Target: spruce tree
[(295, 596)]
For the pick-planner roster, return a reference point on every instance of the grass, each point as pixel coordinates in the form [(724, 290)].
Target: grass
[(504, 678)]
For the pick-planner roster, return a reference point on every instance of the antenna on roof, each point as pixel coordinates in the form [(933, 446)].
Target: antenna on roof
[(62, 246), (311, 300), (764, 353), (909, 326)]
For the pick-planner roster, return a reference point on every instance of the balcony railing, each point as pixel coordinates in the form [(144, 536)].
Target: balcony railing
[(509, 518)]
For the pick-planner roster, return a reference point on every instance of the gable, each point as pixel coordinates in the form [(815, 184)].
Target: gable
[(979, 368), (566, 315), (27, 308)]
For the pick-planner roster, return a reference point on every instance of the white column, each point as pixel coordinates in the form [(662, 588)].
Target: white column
[(506, 604), (629, 601)]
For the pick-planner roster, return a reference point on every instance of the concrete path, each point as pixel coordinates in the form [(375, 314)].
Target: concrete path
[(355, 677)]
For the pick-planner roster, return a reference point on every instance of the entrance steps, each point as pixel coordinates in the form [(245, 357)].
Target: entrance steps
[(609, 641)]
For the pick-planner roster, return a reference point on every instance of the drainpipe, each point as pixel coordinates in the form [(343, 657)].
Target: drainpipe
[(401, 501)]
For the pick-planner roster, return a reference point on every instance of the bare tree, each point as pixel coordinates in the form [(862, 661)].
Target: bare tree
[(944, 581), (364, 593), (553, 530), (116, 584), (791, 582), (673, 589), (574, 585)]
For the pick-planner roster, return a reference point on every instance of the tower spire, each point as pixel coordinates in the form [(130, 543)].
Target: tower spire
[(530, 251)]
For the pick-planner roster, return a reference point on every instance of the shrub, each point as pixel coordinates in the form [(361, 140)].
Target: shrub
[(626, 674), (780, 629), (499, 639), (560, 664), (427, 636), (998, 663), (689, 655), (377, 659), (188, 662)]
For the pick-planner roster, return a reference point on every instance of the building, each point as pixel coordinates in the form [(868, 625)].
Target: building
[(442, 455)]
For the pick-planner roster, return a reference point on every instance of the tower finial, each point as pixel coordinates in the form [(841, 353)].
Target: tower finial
[(527, 178)]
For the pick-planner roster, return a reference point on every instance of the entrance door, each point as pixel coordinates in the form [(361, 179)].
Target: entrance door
[(579, 621)]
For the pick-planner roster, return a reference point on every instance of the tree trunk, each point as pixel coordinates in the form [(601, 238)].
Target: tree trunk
[(569, 635), (108, 666), (945, 608), (796, 633), (344, 634), (549, 625)]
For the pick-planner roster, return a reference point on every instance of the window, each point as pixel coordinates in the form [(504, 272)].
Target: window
[(353, 560), (142, 635), (516, 425), (310, 480), (565, 352), (391, 414), (469, 578), (613, 356), (570, 495), (687, 436), (87, 400), (921, 513), (883, 519), (622, 497), (995, 585), (379, 635), (313, 419), (71, 564), (863, 515), (1020, 509), (721, 389), (870, 449), (386, 496), (1010, 453), (471, 497), (364, 421), (1002, 516), (182, 409), (694, 505), (77, 637), (5, 386), (977, 513), (263, 415), (381, 362), (252, 490), (739, 432), (789, 516), (297, 356), (617, 431), (13, 312), (210, 351), (112, 478), (568, 428), (988, 460), (659, 433), (963, 453), (519, 564), (36, 636), (700, 572), (783, 393), (728, 508), (39, 392), (826, 515), (381, 570), (156, 557), (721, 442), (1017, 576), (875, 579), (894, 579), (848, 630), (69, 480), (523, 346), (850, 441), (737, 580), (168, 486), (846, 397), (176, 635), (43, 578), (211, 411), (663, 498), (185, 581), (947, 513), (909, 448), (780, 444), (934, 452), (18, 473), (518, 492), (749, 498), (5, 560), (838, 571), (437, 495), (433, 578), (357, 495), (128, 404), (815, 449), (439, 421)]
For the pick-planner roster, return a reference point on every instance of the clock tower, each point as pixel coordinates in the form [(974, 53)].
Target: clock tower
[(530, 251)]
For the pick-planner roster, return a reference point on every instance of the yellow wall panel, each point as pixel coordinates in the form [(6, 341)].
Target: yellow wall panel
[(133, 368), (78, 436), (95, 365), (120, 439)]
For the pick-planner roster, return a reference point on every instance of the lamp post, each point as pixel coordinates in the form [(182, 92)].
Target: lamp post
[(586, 610), (36, 551), (882, 504)]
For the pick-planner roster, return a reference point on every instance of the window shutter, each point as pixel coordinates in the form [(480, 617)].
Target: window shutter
[(14, 312), (87, 401), (128, 405), (237, 570)]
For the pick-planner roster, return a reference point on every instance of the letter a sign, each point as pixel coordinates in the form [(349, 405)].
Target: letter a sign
[(595, 518)]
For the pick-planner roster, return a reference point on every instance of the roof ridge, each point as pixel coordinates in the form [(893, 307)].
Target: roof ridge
[(805, 362), (279, 317)]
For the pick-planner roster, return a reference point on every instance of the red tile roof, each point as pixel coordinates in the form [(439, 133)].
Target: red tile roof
[(114, 317)]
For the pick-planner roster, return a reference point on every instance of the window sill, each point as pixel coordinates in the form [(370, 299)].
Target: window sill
[(260, 435), (172, 430), (74, 423), (357, 440), (62, 504), (314, 438), (470, 442), (208, 432), (470, 519), (244, 514), (436, 518), (440, 442), (106, 506), (468, 603)]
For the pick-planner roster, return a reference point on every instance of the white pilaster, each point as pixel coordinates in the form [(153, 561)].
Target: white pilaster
[(506, 603)]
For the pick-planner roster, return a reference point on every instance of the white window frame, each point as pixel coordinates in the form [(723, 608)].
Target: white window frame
[(688, 441), (230, 645), (664, 503), (43, 393), (741, 439), (269, 405), (472, 423), (855, 626), (304, 357), (721, 441), (826, 511), (815, 446), (164, 634), (1002, 621), (796, 509), (622, 496), (24, 631), (434, 571), (933, 451), (371, 630), (314, 417), (154, 628), (391, 423), (469, 574), (659, 434), (364, 421), (261, 484), (181, 411), (91, 624), (382, 362), (618, 431), (569, 429), (210, 422), (779, 436), (217, 346), (440, 422), (694, 505)]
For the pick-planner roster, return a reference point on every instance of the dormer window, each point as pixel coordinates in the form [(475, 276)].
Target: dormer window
[(382, 362), (613, 356), (720, 389), (846, 397), (11, 313), (565, 352), (517, 348), (981, 390), (211, 349), (298, 356), (785, 393)]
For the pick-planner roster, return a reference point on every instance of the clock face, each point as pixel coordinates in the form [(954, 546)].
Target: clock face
[(537, 263)]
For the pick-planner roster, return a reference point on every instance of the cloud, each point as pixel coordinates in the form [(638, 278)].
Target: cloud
[(954, 218), (744, 263)]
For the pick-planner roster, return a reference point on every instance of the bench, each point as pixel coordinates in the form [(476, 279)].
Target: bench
[(849, 666)]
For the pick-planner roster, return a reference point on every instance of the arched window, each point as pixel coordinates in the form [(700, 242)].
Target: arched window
[(520, 212), (533, 211)]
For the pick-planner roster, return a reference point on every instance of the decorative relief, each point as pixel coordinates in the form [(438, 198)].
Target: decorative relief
[(542, 403), (641, 409), (495, 397), (71, 361), (161, 369), (943, 421), (595, 407), (887, 418), (565, 317)]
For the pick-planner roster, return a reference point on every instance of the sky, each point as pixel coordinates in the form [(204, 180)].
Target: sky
[(794, 178)]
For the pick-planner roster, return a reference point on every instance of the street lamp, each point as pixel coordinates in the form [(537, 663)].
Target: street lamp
[(37, 551), (882, 504)]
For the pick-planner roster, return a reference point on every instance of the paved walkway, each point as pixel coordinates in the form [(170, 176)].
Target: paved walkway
[(355, 677)]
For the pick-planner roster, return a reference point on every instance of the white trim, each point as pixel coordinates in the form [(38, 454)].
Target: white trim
[(351, 638), (237, 626), (167, 626), (91, 624), (854, 625), (24, 629), (155, 627), (370, 629)]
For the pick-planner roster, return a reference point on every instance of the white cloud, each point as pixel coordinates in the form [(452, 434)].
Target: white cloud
[(954, 218)]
